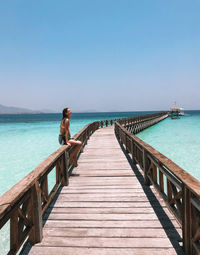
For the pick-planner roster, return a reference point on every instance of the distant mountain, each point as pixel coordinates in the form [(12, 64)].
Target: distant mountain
[(16, 110)]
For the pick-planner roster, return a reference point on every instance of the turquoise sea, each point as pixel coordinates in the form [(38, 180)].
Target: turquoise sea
[(26, 140), (178, 139)]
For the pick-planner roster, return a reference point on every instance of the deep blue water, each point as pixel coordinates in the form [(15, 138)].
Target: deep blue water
[(32, 118)]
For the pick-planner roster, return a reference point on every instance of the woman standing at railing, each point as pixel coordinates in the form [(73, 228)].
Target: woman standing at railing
[(65, 137)]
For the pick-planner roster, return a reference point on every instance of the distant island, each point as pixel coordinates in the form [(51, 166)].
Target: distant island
[(17, 110)]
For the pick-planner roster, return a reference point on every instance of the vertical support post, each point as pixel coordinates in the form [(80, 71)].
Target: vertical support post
[(145, 168), (85, 137), (58, 170), (169, 191), (117, 131), (14, 232), (37, 232), (186, 225), (126, 142), (45, 186), (132, 152), (120, 135), (161, 182), (83, 142), (154, 174), (65, 166)]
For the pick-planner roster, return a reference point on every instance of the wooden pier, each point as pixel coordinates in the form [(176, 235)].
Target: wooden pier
[(107, 209), (123, 198)]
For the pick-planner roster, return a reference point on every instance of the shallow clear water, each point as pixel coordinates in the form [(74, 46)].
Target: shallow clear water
[(26, 140), (178, 139)]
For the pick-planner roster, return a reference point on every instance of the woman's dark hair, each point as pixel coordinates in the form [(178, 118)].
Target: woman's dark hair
[(65, 113)]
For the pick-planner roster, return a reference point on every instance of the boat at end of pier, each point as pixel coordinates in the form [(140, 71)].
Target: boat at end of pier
[(176, 112)]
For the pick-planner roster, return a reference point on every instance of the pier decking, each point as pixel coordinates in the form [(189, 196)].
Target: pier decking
[(110, 204), (107, 209)]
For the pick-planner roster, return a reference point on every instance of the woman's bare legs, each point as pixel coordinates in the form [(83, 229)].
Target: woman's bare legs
[(73, 155)]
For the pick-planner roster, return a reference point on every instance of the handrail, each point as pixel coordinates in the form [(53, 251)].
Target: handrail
[(26, 202), (180, 190)]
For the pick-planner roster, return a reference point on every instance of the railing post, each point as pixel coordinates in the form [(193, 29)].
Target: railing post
[(86, 136), (14, 232), (37, 232), (169, 191), (126, 143), (83, 143), (186, 224), (146, 167), (132, 152), (161, 182), (65, 166), (117, 131)]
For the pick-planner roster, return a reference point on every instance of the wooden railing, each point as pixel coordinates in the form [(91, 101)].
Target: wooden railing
[(138, 123), (179, 189), (25, 203)]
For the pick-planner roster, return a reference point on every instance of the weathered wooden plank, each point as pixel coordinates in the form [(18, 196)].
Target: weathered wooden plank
[(107, 172), (104, 173), (106, 178), (106, 165), (123, 179), (112, 232), (104, 216), (91, 181), (103, 251), (105, 195), (103, 181), (107, 188), (105, 199), (106, 242), (112, 224), (98, 160), (108, 156), (100, 191), (107, 204), (84, 210)]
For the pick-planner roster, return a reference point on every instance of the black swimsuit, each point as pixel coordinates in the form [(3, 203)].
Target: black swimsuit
[(62, 139)]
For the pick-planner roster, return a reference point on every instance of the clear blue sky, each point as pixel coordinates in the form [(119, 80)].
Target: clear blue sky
[(104, 55)]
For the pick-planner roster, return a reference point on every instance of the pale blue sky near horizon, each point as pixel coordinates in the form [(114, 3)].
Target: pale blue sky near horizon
[(103, 55)]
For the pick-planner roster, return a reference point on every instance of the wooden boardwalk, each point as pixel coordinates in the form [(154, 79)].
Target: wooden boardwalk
[(107, 209)]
